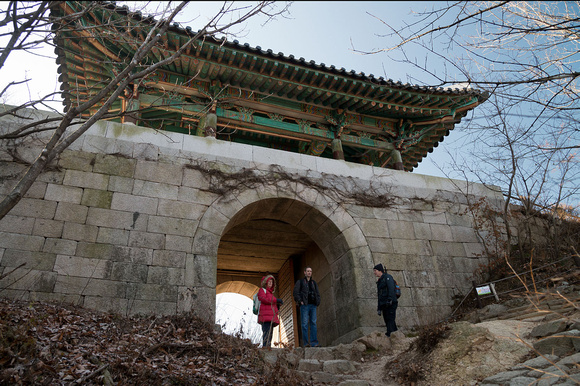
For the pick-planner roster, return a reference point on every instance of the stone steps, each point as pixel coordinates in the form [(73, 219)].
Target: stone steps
[(336, 365), (560, 306)]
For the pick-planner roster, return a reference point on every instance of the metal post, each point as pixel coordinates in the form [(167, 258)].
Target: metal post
[(479, 305)]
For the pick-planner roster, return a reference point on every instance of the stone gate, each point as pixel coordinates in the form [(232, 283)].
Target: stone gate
[(133, 220)]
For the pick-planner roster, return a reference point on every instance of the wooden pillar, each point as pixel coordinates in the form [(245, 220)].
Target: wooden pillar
[(397, 160), (337, 152), (210, 123)]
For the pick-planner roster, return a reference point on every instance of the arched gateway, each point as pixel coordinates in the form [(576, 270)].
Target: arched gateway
[(281, 236)]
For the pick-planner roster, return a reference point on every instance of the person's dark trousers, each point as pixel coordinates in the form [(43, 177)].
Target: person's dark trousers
[(267, 331), (389, 315), (308, 319)]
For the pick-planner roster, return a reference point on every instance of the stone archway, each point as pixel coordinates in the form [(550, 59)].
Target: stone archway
[(330, 242)]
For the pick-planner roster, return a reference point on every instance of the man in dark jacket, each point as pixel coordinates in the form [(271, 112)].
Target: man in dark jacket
[(387, 300), (307, 297)]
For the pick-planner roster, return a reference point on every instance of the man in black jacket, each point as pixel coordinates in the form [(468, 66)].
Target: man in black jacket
[(307, 297), (387, 299)]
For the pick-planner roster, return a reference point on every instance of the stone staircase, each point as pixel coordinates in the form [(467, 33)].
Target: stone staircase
[(338, 365), (532, 307)]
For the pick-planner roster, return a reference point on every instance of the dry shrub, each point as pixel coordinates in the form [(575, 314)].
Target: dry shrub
[(411, 365)]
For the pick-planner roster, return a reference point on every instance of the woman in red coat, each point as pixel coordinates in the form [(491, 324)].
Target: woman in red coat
[(268, 315)]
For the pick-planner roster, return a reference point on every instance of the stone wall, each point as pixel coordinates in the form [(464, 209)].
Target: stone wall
[(130, 219)]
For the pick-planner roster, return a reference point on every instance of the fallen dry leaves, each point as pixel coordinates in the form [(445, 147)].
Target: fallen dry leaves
[(45, 343)]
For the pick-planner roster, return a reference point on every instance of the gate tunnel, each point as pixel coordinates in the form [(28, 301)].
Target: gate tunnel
[(281, 237)]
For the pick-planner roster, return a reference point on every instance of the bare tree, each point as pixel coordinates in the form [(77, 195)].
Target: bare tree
[(526, 137), (25, 26)]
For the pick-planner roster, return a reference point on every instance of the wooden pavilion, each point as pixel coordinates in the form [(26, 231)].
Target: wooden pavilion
[(239, 93)]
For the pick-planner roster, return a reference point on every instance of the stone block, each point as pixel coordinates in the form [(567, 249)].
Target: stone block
[(79, 232), (108, 304), (547, 329), (507, 376), (411, 216), (411, 247), (120, 184), (422, 205), (561, 344), (94, 250), (29, 280), (113, 236), (130, 203), (199, 270), (421, 279), (17, 224), (401, 229), (443, 264), (100, 145), (37, 190), (338, 366), (350, 238), (77, 160), (172, 226), (395, 262), (380, 245), (97, 198), (360, 257), (83, 267), (422, 231), (107, 288), (59, 246), (71, 213), (147, 240), (152, 291), (165, 258), (38, 261), (464, 234), (146, 151), (474, 249), (21, 242), (52, 177), (110, 218), (374, 227), (441, 232), (30, 207), (449, 249), (309, 365), (155, 189), (129, 272), (114, 165), (178, 243), (166, 276), (48, 228), (199, 300), (81, 179), (178, 209), (163, 173), (195, 177), (71, 285), (459, 220), (149, 307), (197, 196), (135, 255)]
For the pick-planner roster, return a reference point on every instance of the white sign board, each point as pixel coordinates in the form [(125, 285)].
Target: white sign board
[(485, 290)]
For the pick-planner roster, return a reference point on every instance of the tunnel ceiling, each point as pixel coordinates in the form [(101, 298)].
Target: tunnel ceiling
[(260, 246)]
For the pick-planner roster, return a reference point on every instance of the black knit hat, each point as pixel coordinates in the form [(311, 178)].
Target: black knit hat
[(379, 267)]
